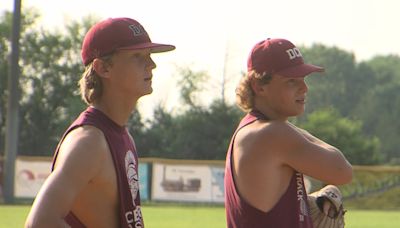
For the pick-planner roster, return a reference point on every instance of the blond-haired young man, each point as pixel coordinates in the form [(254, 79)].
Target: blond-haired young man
[(94, 179)]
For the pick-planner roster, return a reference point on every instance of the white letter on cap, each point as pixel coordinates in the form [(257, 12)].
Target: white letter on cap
[(297, 52), (136, 29), (293, 53)]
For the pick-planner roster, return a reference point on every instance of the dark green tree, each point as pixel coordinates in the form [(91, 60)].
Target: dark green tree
[(27, 19), (346, 134), (205, 133), (155, 137), (380, 106), (50, 100), (50, 68), (197, 132), (366, 91), (335, 86)]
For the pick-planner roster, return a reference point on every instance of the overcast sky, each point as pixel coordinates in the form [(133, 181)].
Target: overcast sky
[(213, 34)]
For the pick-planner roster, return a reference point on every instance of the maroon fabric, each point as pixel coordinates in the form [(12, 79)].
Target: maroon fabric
[(279, 56), (115, 34), (125, 160), (291, 211), (73, 221)]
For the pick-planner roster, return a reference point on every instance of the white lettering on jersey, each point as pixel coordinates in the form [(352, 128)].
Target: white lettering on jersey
[(300, 197)]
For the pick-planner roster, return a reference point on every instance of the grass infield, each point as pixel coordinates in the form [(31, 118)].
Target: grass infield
[(183, 216)]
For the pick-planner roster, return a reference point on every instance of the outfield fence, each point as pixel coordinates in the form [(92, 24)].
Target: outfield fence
[(198, 181), (160, 179)]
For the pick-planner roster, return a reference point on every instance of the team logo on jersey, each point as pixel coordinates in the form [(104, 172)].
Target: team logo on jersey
[(131, 174)]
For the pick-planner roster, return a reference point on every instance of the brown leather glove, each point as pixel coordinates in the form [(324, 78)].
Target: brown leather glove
[(326, 208)]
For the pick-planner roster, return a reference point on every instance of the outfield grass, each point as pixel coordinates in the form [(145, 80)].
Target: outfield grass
[(13, 216), (166, 216), (372, 219)]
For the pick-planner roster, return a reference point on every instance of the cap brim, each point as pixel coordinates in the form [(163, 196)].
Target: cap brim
[(154, 47), (301, 70)]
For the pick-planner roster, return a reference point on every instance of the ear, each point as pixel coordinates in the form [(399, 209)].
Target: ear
[(256, 86), (101, 68)]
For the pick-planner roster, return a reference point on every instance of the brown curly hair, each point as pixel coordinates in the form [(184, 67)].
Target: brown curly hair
[(244, 92)]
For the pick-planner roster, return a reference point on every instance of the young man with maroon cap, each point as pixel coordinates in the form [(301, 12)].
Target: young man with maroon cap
[(94, 179), (268, 155)]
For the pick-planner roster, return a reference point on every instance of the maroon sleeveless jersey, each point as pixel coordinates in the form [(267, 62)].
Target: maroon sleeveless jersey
[(125, 161), (291, 211)]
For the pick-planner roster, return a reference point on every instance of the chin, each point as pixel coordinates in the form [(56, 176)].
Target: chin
[(145, 93), (300, 110), (297, 113), (148, 91)]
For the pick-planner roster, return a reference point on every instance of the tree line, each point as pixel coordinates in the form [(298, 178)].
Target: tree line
[(353, 105)]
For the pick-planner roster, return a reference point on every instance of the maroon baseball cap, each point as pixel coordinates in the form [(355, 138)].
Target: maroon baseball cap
[(117, 34), (279, 56)]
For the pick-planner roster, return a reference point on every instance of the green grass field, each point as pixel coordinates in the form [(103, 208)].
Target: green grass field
[(166, 216)]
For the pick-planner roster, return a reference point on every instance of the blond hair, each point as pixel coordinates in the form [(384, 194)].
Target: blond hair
[(91, 87), (244, 92)]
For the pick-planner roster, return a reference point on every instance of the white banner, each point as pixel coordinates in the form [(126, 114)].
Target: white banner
[(190, 183), (29, 176), (217, 184)]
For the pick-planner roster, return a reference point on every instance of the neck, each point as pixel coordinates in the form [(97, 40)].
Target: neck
[(118, 110), (269, 112)]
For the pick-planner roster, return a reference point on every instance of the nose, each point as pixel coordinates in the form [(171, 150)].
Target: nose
[(303, 86), (151, 64)]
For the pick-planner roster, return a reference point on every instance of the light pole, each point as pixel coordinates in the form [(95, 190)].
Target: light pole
[(12, 108)]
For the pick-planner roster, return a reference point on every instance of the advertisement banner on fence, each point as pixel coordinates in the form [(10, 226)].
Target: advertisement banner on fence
[(217, 184), (30, 174), (190, 183), (144, 181)]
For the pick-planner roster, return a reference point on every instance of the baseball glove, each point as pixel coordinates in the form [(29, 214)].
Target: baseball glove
[(326, 208)]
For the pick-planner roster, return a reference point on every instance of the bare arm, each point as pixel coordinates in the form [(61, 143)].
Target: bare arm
[(310, 155), (311, 137), (79, 161)]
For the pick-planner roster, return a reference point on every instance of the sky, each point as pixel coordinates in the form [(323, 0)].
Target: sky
[(216, 36)]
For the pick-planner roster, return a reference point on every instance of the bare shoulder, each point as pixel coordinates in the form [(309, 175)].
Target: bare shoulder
[(262, 135), (85, 144), (283, 136), (82, 156), (259, 143), (279, 137)]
